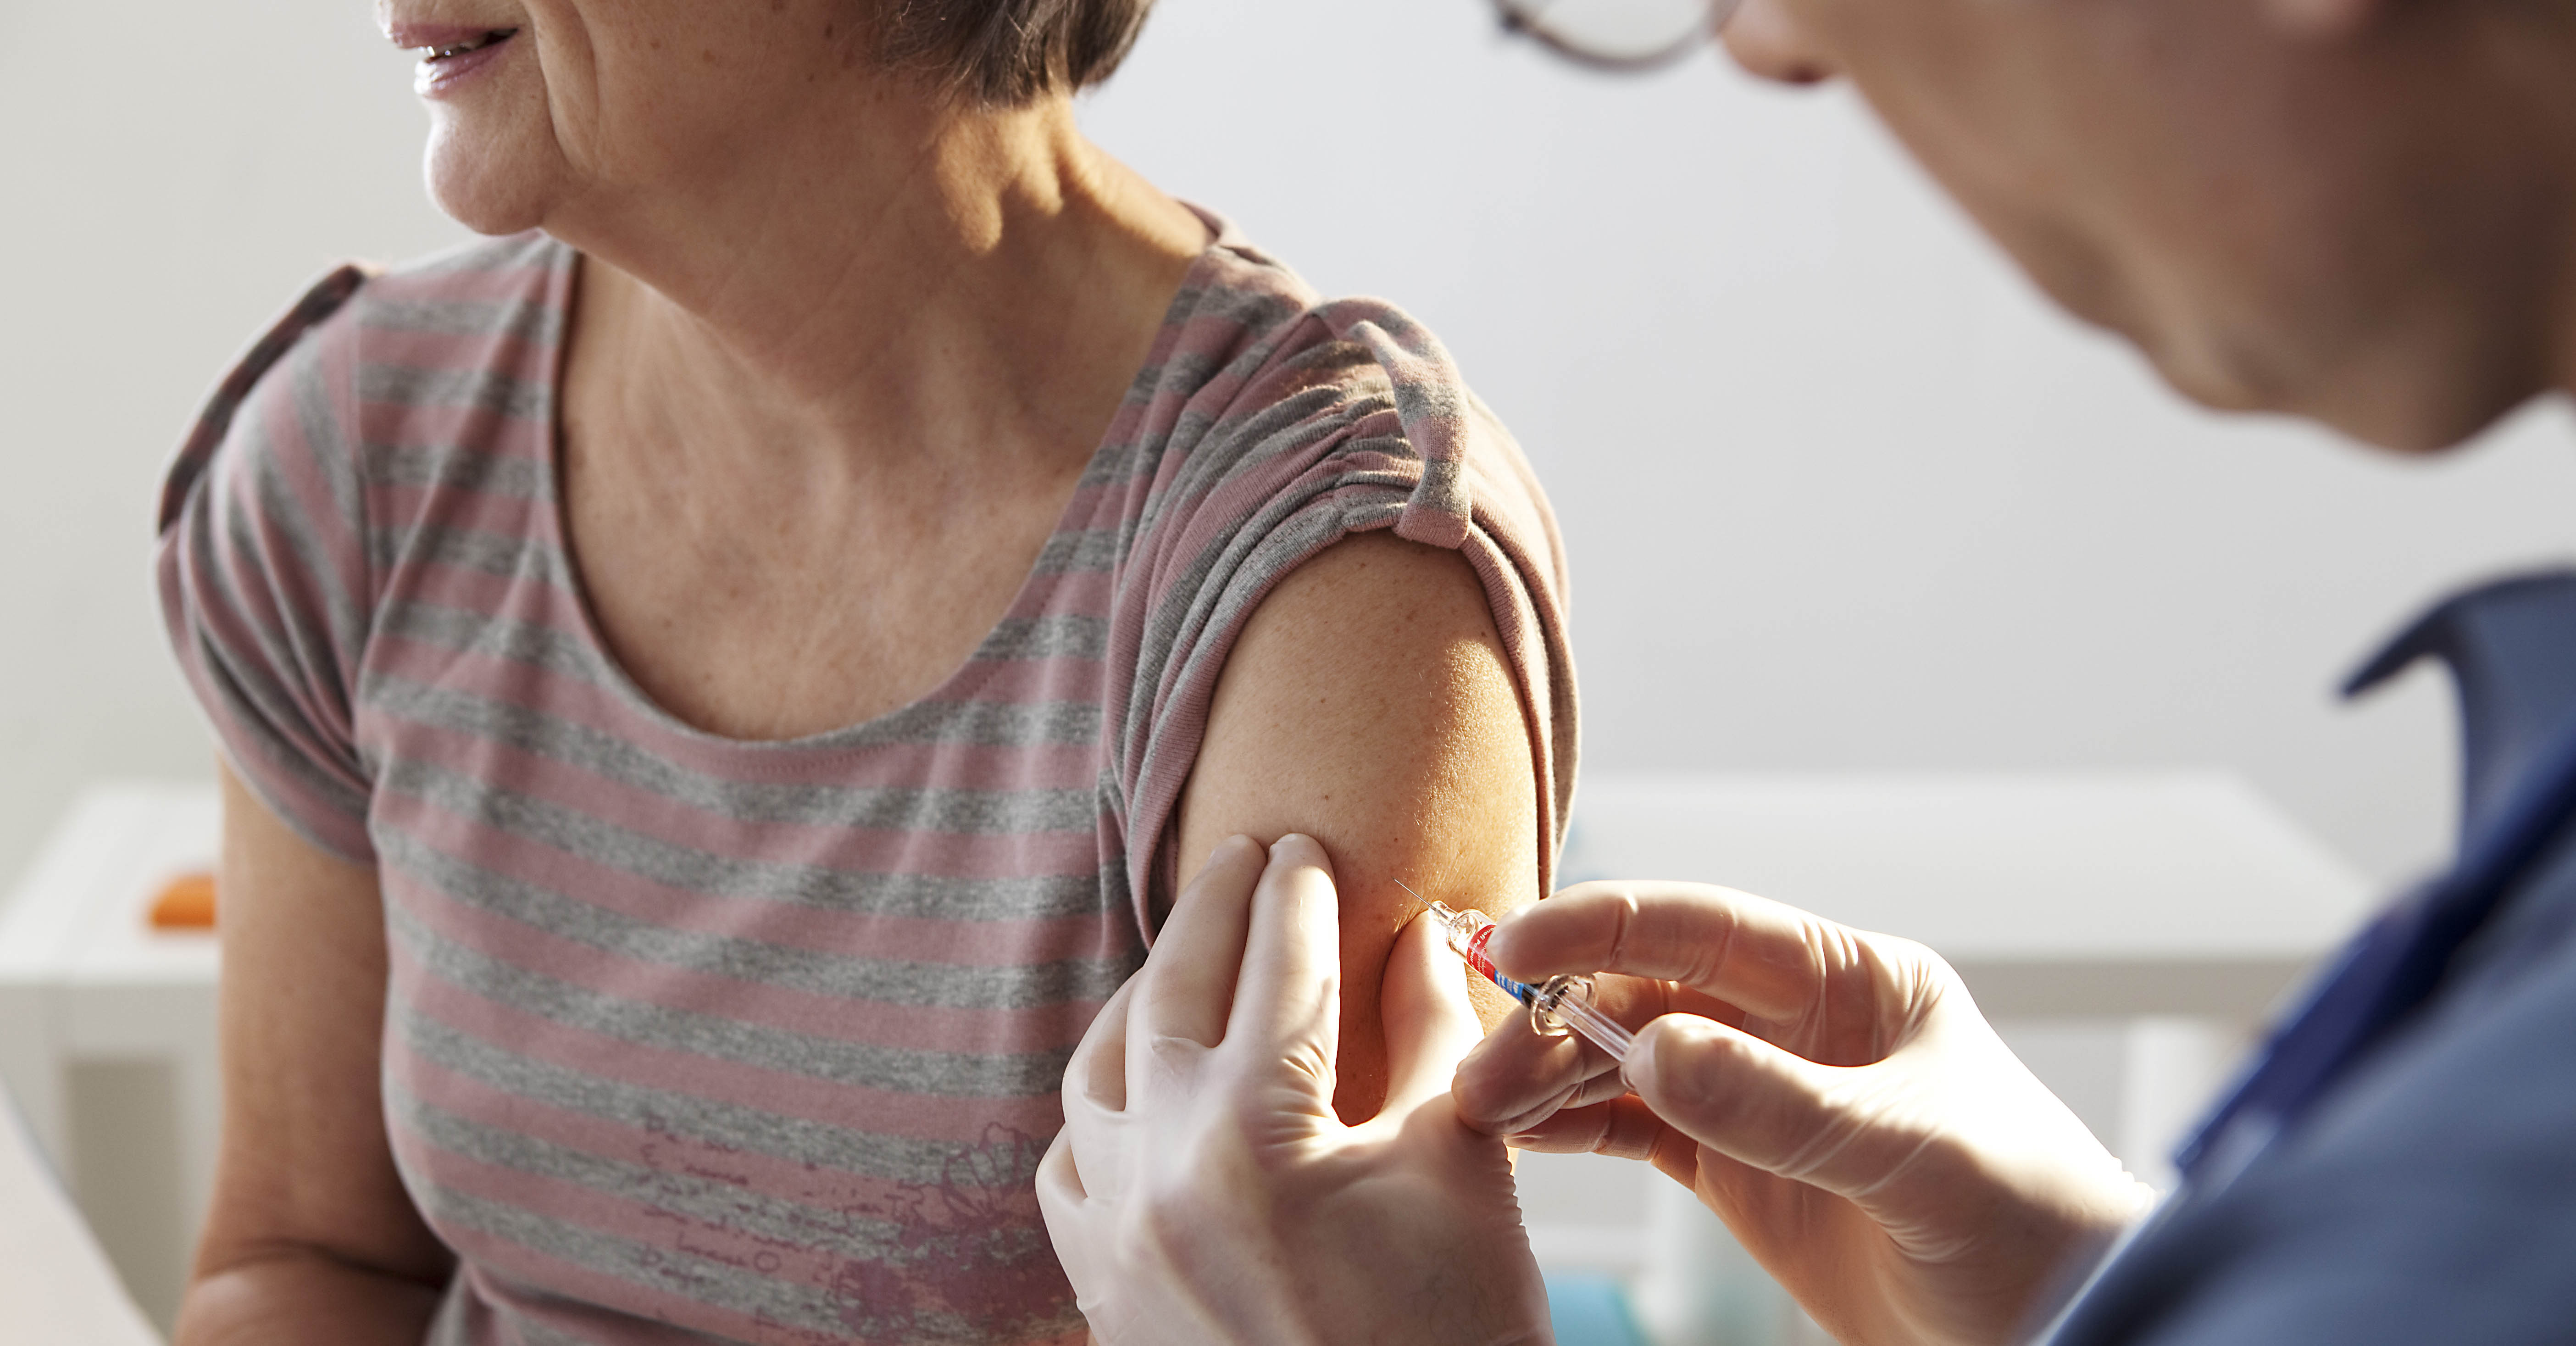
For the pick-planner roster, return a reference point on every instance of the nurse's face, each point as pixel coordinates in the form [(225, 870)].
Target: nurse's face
[(614, 105), (2290, 205)]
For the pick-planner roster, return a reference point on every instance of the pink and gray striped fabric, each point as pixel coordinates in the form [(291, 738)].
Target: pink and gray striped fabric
[(695, 1039)]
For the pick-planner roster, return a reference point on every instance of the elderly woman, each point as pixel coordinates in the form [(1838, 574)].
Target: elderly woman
[(717, 681)]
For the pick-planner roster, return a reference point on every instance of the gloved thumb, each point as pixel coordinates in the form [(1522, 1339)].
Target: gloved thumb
[(1830, 1126), (1430, 1023)]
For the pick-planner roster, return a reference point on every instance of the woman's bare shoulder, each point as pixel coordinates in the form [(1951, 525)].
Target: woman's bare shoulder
[(1320, 495), (1371, 704)]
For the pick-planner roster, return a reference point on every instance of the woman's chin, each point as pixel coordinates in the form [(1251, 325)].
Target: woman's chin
[(481, 187)]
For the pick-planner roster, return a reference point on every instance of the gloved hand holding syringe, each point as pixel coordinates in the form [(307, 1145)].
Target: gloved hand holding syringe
[(1555, 1005)]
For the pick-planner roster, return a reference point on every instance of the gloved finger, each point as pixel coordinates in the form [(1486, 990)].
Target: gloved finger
[(1080, 1229), (1287, 1002), (1430, 1022), (1751, 952), (1096, 1075), (1584, 1093), (1835, 1127), (1076, 1224), (1588, 1092), (1622, 1128), (1189, 978), (1061, 1193), (1516, 1075), (1096, 1123)]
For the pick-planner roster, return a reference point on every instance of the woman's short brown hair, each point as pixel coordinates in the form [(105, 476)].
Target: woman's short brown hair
[(1007, 52)]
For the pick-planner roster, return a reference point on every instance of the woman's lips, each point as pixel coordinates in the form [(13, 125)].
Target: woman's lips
[(453, 54)]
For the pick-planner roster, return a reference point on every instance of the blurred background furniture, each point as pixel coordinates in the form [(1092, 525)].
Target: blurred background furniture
[(56, 1287), (107, 1026), (2126, 931)]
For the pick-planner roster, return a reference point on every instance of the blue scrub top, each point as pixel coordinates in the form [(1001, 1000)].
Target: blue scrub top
[(2400, 1165)]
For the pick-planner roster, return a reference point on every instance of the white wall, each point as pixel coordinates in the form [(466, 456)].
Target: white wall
[(171, 173), (1840, 491)]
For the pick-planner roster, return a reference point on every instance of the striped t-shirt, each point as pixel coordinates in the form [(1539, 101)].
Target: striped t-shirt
[(691, 1038)]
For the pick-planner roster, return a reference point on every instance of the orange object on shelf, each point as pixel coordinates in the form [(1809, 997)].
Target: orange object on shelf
[(185, 903)]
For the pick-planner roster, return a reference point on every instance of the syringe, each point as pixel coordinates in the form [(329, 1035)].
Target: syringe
[(1555, 1005)]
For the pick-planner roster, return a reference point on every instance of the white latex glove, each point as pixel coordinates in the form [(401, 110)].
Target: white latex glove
[(1833, 1095), (1202, 1191)]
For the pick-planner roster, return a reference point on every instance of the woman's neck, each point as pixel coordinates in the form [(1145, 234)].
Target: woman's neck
[(918, 286)]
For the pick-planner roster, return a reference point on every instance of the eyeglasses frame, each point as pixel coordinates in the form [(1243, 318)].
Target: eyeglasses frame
[(1715, 12)]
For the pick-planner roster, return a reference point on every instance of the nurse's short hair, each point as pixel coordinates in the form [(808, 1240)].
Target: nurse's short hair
[(1005, 53)]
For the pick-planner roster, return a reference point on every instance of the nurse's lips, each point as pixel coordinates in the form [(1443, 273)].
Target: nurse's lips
[(451, 52)]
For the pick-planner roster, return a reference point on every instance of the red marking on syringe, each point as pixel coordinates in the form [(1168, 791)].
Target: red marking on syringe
[(1476, 958), (1563, 1003)]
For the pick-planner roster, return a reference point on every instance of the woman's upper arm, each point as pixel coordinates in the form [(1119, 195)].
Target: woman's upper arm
[(1369, 704), (305, 1171)]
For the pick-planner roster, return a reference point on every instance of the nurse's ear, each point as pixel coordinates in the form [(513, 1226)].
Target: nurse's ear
[(1769, 43), (2327, 19)]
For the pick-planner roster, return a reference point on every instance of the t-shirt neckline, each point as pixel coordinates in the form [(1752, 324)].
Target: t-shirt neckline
[(563, 276)]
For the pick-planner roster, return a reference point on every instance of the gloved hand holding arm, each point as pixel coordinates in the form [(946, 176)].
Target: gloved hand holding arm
[(1202, 1190), (1833, 1095)]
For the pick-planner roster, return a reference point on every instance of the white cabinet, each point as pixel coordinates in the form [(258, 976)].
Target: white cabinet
[(107, 1026)]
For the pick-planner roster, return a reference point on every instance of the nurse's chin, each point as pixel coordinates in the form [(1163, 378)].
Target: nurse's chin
[(2403, 401)]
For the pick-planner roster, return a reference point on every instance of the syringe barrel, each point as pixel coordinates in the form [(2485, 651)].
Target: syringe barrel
[(1468, 931), (1563, 1003)]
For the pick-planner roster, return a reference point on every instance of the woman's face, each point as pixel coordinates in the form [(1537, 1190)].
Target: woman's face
[(2334, 225), (538, 107)]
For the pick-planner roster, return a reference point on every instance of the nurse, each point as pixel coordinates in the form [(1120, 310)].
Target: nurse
[(2358, 211)]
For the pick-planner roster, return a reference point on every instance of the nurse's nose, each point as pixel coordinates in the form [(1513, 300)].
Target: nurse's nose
[(1768, 42)]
